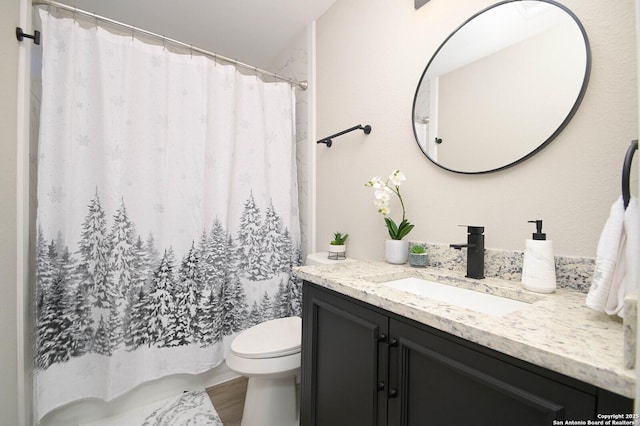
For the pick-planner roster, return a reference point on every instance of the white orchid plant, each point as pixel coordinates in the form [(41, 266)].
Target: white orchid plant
[(382, 193)]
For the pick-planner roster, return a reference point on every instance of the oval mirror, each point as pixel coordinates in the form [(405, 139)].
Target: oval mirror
[(501, 86)]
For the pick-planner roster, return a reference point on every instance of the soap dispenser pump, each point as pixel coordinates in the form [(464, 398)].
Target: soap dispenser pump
[(538, 264)]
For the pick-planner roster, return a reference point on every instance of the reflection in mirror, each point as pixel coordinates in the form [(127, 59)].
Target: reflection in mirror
[(502, 86)]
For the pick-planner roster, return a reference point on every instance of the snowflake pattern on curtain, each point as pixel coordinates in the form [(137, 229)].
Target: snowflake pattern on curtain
[(167, 217)]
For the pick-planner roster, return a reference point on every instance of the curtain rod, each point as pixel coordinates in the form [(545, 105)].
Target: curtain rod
[(301, 84)]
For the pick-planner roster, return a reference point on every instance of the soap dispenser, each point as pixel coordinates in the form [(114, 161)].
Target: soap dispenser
[(538, 265)]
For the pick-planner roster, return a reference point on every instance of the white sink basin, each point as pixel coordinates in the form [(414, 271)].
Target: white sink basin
[(479, 302)]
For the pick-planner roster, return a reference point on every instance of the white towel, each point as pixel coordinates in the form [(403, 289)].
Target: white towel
[(607, 255), (627, 266)]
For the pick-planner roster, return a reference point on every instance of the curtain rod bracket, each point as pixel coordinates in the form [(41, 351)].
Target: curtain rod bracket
[(20, 35), (327, 141)]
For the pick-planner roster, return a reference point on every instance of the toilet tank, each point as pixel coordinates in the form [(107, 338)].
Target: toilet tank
[(322, 258)]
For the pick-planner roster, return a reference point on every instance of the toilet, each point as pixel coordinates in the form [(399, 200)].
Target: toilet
[(269, 355)]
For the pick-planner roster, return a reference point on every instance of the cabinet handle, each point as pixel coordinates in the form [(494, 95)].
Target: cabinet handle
[(393, 342), (380, 386), (381, 337), (392, 393)]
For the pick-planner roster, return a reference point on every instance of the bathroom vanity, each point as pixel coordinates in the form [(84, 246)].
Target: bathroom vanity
[(378, 355)]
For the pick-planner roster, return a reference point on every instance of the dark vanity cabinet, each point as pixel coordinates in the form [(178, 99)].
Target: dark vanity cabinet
[(345, 361), (365, 366)]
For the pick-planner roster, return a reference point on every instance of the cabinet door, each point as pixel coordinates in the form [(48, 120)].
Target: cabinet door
[(442, 382), (344, 361)]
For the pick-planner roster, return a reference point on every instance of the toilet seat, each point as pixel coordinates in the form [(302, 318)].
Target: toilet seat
[(271, 339)]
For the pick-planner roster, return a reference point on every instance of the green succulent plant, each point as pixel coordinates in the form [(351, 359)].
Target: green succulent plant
[(418, 249), (339, 239)]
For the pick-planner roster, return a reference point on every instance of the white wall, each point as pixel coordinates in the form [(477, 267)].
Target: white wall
[(637, 399), (8, 119), (370, 55), (293, 62), (15, 366)]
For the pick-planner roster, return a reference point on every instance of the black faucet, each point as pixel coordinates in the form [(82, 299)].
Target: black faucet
[(475, 251)]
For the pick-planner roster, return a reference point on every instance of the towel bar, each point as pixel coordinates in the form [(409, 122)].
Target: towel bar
[(327, 141), (626, 172)]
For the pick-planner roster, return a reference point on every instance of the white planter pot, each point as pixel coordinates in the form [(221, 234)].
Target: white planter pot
[(396, 251), (337, 252)]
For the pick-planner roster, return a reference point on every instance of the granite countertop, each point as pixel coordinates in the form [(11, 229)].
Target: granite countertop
[(557, 331)]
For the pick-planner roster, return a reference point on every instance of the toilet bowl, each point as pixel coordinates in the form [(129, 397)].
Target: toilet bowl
[(269, 355)]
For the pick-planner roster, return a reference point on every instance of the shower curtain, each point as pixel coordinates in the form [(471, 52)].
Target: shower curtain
[(167, 214)]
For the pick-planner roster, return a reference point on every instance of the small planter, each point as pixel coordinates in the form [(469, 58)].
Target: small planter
[(337, 252), (418, 260), (337, 247)]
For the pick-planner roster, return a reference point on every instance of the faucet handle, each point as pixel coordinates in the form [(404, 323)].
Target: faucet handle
[(474, 230)]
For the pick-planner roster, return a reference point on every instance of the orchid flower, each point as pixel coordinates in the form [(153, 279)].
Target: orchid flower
[(382, 195)]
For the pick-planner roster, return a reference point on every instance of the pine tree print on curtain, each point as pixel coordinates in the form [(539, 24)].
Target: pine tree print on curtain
[(176, 308), (167, 212)]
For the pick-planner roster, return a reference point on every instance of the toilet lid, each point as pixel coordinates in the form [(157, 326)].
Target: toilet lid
[(270, 339)]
